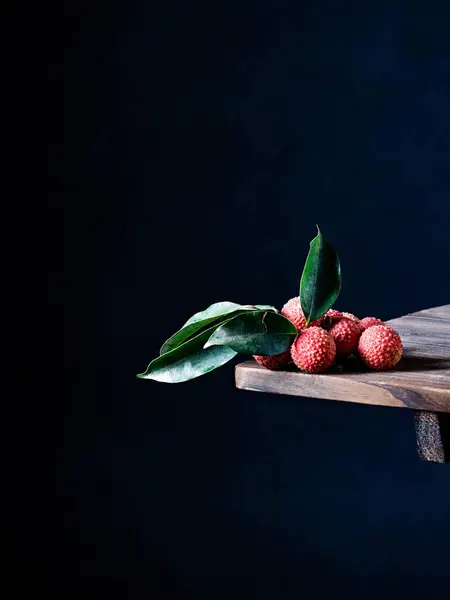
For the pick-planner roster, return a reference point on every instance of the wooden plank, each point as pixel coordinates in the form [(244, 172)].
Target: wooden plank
[(441, 312), (421, 381)]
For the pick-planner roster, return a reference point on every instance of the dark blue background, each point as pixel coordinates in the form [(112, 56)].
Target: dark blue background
[(199, 144)]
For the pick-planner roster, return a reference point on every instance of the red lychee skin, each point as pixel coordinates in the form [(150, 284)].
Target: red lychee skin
[(278, 361), (380, 347), (293, 311), (329, 318), (369, 322), (345, 334), (333, 313), (313, 350), (350, 316)]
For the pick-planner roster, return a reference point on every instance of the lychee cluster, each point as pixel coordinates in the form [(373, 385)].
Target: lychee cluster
[(335, 336)]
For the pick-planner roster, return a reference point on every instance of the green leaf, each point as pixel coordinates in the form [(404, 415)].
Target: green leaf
[(200, 320), (257, 332), (189, 360), (321, 279), (215, 313), (261, 307)]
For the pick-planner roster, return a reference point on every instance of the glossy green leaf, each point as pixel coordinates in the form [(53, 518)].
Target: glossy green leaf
[(189, 360), (261, 307), (258, 332), (214, 311), (321, 279), (218, 312), (201, 320)]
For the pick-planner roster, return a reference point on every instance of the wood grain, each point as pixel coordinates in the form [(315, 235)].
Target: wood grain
[(420, 381)]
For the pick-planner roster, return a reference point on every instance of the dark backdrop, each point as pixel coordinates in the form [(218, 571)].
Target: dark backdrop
[(184, 153)]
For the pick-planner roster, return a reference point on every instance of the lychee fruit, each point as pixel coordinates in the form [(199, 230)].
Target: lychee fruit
[(333, 313), (369, 322), (313, 350), (292, 310), (345, 334), (278, 361), (380, 347), (350, 316)]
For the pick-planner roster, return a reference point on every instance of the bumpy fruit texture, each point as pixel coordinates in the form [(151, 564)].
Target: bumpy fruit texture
[(345, 334), (380, 347), (313, 350), (333, 313), (350, 316), (278, 361), (293, 311), (369, 322)]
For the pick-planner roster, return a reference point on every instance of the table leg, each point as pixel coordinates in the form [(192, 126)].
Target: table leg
[(433, 435)]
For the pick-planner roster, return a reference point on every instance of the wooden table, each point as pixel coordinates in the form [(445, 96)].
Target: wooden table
[(421, 381)]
